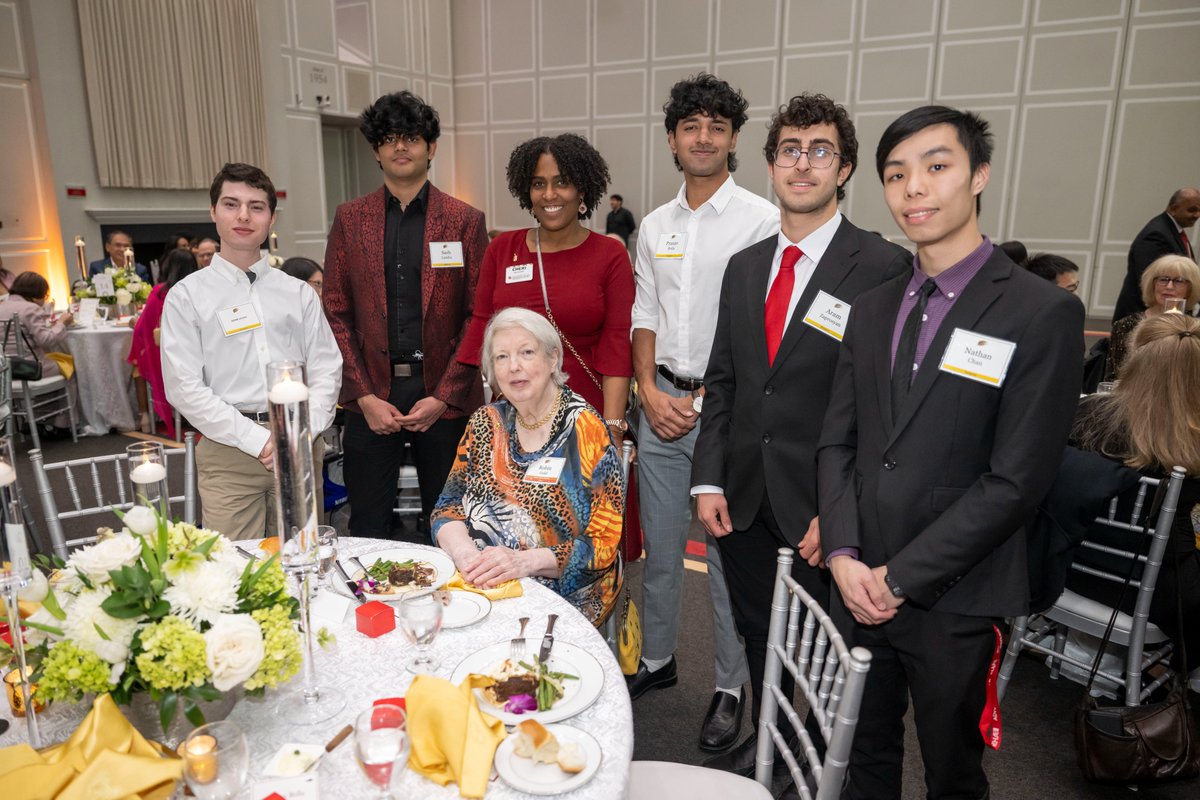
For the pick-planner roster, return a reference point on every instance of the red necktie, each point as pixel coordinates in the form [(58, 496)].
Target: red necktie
[(778, 300), (1187, 245)]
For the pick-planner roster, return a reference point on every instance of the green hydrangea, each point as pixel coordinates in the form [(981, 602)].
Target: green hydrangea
[(281, 648), (184, 536), (270, 584), (69, 671), (173, 655)]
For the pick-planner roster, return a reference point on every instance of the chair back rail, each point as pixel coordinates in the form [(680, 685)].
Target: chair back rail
[(803, 640), (100, 500)]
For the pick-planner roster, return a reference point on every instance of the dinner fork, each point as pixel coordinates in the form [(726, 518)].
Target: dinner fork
[(516, 647)]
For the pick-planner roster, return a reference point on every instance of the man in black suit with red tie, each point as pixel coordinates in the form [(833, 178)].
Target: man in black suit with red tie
[(1164, 235), (783, 306), (954, 392)]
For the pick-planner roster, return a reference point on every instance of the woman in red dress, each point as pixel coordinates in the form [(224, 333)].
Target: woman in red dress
[(144, 352)]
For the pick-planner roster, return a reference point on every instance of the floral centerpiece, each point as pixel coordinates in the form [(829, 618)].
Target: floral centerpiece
[(167, 609), (128, 288)]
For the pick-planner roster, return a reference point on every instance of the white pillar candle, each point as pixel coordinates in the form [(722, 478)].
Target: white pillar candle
[(148, 472), (288, 391), (8, 475), (128, 258)]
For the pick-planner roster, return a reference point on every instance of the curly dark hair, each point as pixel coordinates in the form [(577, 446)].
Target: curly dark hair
[(708, 95), (578, 162), (805, 110), (399, 112)]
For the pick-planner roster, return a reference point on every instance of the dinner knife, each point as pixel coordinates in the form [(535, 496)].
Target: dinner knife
[(547, 639), (351, 585)]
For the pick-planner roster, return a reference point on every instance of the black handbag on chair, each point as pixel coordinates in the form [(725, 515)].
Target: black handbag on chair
[(23, 362)]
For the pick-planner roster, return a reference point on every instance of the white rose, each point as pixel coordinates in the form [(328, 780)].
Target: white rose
[(124, 298), (35, 636), (110, 271), (106, 555), (134, 286), (235, 649), (141, 520), (37, 589)]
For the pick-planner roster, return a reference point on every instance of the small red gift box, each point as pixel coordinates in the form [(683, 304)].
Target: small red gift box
[(374, 618)]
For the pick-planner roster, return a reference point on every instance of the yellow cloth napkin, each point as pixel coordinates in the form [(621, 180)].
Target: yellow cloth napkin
[(452, 740), (504, 590), (105, 759), (65, 361)]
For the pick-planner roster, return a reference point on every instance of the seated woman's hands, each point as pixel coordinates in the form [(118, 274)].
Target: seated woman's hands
[(493, 566)]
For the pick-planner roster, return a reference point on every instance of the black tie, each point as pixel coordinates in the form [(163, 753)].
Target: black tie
[(906, 351), (250, 275)]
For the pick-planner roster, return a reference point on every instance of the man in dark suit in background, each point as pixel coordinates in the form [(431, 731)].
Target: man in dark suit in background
[(928, 469), (783, 307), (1164, 235), (401, 266), (116, 242)]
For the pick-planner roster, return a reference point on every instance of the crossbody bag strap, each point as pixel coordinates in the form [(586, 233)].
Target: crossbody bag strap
[(537, 241)]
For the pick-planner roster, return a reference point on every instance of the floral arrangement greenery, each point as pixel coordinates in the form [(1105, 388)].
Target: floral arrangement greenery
[(128, 286), (164, 608)]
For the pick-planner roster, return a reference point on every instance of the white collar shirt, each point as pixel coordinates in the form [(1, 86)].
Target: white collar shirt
[(212, 378), (677, 296), (813, 248)]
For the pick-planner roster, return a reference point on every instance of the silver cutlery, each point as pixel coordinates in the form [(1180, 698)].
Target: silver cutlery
[(516, 647), (353, 586), (547, 639)]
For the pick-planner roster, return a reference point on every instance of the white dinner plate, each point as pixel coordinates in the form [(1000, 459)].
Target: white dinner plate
[(443, 567), (565, 657), (526, 775), (466, 608)]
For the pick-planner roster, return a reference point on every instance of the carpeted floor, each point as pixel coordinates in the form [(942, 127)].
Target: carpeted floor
[(1037, 759)]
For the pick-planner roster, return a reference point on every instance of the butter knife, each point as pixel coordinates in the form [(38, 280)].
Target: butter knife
[(353, 586), (547, 639)]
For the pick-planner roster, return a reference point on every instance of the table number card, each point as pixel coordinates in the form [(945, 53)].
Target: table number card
[(103, 284), (87, 311)]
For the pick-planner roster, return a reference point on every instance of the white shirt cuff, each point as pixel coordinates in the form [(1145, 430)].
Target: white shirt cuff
[(706, 489)]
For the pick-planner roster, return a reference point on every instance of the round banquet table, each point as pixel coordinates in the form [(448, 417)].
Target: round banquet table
[(363, 670), (106, 398)]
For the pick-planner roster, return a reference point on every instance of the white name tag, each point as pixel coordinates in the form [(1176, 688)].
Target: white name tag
[(545, 470), (518, 273), (238, 319), (670, 245), (828, 315), (445, 255), (977, 356)]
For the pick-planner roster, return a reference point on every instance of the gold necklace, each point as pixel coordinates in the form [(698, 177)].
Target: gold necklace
[(541, 421)]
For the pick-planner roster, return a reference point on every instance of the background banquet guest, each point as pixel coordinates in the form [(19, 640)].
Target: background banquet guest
[(1016, 251), (588, 283), (307, 270), (1151, 422), (536, 489), (1165, 234), (6, 277), (116, 242), (401, 266), (175, 241), (204, 251), (144, 351), (26, 301), (220, 327), (1169, 277), (620, 219), (1060, 270), (682, 251)]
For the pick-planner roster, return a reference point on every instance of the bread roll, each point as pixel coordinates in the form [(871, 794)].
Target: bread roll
[(571, 758), (534, 741)]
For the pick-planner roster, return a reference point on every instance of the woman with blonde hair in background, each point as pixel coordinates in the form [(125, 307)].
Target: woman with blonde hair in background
[(1168, 278)]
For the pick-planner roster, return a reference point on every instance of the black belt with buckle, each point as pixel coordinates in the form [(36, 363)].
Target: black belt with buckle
[(257, 416), (407, 365), (684, 384)]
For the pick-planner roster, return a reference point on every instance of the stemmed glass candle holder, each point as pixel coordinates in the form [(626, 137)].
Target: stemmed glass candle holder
[(296, 515), (148, 474), (16, 571)]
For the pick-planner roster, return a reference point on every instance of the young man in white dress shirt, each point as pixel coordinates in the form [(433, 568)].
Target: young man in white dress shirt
[(681, 256), (221, 326)]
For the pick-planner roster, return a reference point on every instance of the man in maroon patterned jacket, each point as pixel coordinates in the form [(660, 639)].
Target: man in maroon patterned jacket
[(401, 266)]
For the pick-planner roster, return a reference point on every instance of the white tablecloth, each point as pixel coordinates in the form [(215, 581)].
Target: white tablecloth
[(365, 669), (106, 398)]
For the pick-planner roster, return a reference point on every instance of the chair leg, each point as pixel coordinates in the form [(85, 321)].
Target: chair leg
[(1010, 655), (71, 414), (27, 401), (1060, 646)]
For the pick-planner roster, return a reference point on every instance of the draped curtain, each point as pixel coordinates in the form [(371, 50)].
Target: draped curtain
[(174, 89)]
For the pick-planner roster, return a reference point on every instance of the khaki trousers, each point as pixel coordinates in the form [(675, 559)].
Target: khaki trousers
[(237, 493)]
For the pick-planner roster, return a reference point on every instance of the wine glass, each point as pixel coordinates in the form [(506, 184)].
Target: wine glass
[(102, 312), (216, 759), (421, 619), (327, 539), (381, 745)]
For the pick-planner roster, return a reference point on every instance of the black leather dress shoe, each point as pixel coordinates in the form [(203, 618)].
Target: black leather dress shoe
[(722, 722), (740, 760), (644, 680)]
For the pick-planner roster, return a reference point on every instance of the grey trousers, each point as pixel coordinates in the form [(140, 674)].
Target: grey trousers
[(664, 493)]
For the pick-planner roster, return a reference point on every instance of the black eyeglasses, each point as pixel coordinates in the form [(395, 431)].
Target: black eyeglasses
[(392, 139), (1163, 280), (819, 157)]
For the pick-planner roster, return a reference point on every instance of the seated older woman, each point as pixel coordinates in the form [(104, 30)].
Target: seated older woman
[(26, 303), (536, 489), (1168, 278)]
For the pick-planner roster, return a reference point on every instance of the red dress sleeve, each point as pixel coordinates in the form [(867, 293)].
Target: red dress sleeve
[(485, 298)]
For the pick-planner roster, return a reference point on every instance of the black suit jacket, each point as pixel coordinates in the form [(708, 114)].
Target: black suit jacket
[(941, 497), (1158, 238), (760, 422)]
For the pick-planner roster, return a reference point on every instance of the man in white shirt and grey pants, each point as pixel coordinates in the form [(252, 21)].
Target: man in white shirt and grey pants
[(681, 257), (221, 326)]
